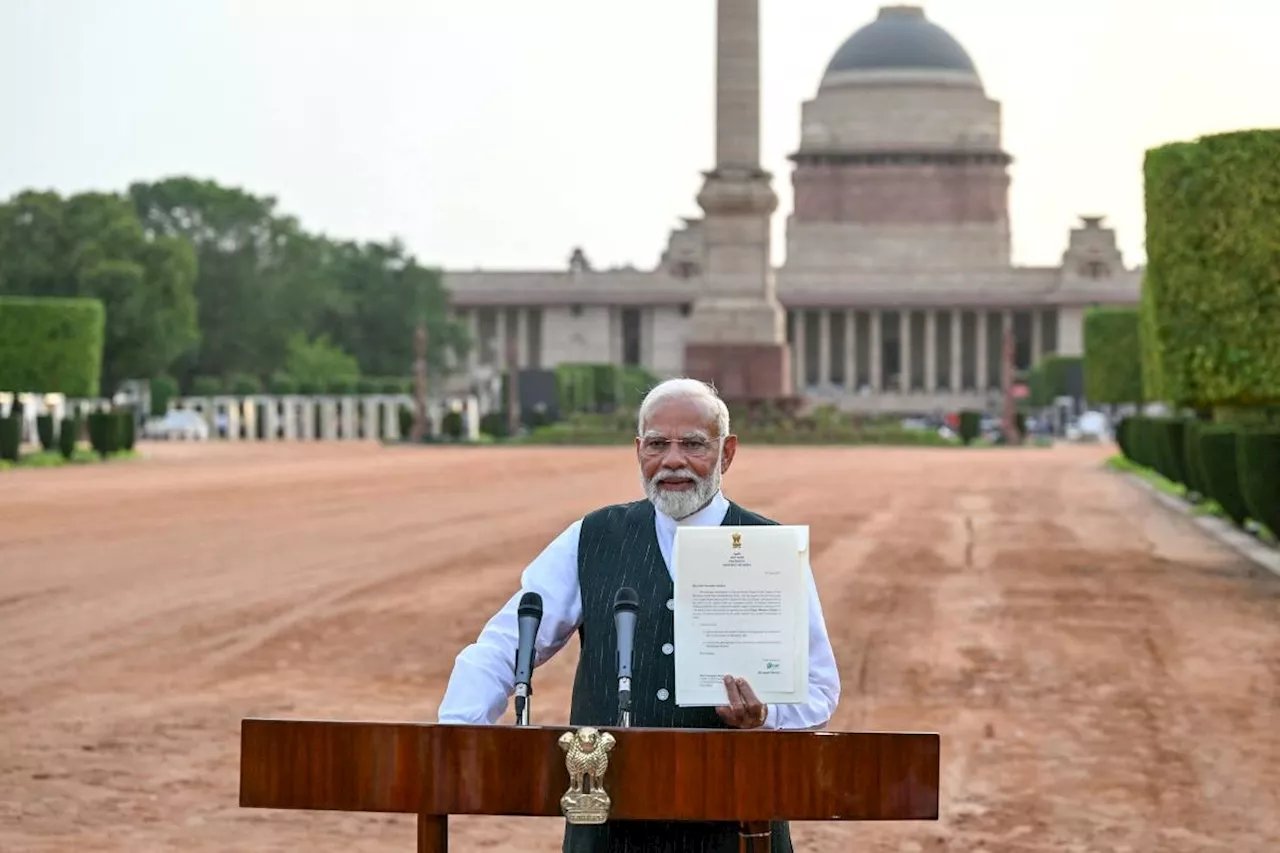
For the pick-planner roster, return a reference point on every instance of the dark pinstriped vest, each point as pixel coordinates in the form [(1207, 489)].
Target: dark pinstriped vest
[(617, 547)]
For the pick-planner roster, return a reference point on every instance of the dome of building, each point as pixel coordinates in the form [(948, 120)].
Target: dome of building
[(901, 38)]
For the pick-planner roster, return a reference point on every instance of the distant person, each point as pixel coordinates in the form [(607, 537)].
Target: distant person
[(683, 447)]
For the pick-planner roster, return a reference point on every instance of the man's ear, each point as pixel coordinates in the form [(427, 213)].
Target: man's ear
[(730, 448)]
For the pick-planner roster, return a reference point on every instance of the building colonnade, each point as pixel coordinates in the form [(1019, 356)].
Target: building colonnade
[(904, 351)]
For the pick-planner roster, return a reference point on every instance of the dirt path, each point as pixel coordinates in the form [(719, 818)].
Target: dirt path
[(1104, 678)]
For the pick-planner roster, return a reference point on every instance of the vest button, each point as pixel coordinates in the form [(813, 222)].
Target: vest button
[(663, 694), (671, 604), (667, 648)]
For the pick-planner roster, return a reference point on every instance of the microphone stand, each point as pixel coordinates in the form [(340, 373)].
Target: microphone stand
[(523, 707), (624, 702)]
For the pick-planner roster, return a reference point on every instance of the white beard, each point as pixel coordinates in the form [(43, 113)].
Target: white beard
[(680, 505)]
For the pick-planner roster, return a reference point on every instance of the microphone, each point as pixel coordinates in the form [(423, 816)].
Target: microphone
[(626, 606), (529, 617)]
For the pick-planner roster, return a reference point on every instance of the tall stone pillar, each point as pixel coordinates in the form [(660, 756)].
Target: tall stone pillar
[(737, 331)]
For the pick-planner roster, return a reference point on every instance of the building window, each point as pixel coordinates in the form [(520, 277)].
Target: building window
[(631, 336)]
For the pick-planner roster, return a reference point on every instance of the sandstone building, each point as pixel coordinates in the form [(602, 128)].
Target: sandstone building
[(898, 280)]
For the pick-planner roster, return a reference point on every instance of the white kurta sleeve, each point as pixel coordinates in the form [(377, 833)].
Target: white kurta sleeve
[(824, 678), (483, 677)]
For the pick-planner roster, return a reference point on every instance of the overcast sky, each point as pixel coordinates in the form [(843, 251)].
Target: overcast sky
[(502, 133)]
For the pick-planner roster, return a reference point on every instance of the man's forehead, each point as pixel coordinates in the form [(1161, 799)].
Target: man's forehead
[(687, 433), (690, 422)]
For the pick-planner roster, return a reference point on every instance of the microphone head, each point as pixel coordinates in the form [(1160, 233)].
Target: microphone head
[(530, 605), (626, 601)]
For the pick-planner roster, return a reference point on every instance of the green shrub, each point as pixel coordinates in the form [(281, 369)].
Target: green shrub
[(10, 437), (1258, 463), (405, 415), (126, 430), (494, 424), (244, 384), (451, 425), (1218, 463), (44, 428), (970, 426), (1191, 458), (51, 345), (104, 433), (1124, 437), (282, 384), (341, 386), (1149, 344), (1212, 215), (1173, 449), (163, 390), (68, 435), (1112, 356), (207, 386)]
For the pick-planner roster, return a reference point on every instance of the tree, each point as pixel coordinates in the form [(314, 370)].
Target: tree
[(93, 246), (318, 362)]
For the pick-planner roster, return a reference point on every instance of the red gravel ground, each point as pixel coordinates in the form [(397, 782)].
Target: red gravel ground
[(1103, 676)]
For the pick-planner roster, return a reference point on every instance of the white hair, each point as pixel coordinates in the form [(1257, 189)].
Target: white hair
[(686, 389)]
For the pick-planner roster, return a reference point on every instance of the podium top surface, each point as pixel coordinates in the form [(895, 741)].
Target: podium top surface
[(668, 774)]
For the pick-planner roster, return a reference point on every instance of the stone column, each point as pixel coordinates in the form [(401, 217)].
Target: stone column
[(904, 352), (471, 418), (957, 354), (290, 418), (473, 329), (801, 366), (930, 350), (370, 426), (309, 406), (271, 418), (876, 384), (980, 357), (390, 407), (737, 331), (850, 351), (738, 83), (824, 349), (347, 413), (328, 419)]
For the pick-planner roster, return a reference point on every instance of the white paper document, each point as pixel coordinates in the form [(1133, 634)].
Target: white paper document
[(741, 609)]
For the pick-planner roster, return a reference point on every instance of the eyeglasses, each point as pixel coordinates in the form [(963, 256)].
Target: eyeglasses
[(694, 448)]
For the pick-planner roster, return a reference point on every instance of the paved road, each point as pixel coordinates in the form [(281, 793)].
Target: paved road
[(1104, 677)]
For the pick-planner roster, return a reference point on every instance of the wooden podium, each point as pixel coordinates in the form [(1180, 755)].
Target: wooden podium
[(433, 771)]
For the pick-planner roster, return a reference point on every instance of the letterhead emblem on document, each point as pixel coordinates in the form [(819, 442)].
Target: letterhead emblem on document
[(737, 540)]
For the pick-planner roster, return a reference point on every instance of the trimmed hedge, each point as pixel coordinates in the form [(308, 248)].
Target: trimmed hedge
[(44, 428), (1218, 463), (1191, 458), (600, 387), (1112, 356), (1212, 213), (1258, 463), (10, 437), (1149, 346), (970, 426), (51, 345), (1124, 436), (68, 435)]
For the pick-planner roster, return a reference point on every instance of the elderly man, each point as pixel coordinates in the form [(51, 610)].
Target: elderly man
[(684, 447)]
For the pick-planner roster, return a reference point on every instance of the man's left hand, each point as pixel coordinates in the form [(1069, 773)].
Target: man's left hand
[(744, 710)]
